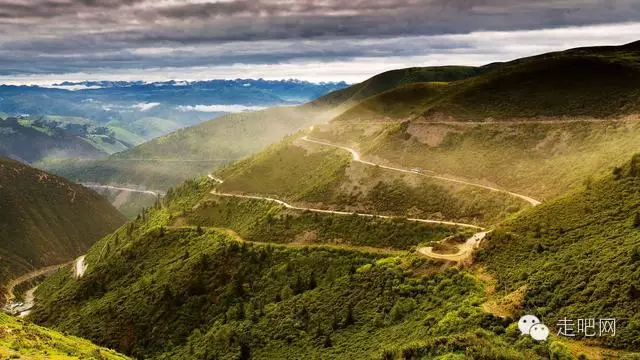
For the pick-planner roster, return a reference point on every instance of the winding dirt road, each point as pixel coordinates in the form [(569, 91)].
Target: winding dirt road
[(358, 158), (29, 303), (29, 276), (122, 188), (289, 206), (465, 250)]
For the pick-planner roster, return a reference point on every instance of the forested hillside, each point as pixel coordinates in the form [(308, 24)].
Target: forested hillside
[(213, 295), (577, 256)]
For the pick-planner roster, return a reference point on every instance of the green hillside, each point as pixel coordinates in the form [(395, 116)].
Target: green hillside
[(577, 256), (539, 159), (397, 78), (260, 221), (301, 172), (23, 141), (152, 174), (22, 340), (46, 220), (569, 83), (187, 153), (51, 137), (209, 294)]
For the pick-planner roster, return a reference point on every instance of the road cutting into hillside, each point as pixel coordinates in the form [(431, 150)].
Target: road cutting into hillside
[(29, 276), (289, 206), (238, 238), (358, 158), (464, 250), (216, 179), (464, 253), (123, 188)]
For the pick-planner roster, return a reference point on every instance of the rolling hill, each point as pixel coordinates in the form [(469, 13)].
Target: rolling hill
[(47, 220), (568, 83), (300, 171)]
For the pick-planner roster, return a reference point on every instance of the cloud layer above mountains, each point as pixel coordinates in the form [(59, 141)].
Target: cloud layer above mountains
[(309, 39)]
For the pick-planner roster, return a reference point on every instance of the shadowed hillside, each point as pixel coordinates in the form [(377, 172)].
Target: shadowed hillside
[(46, 220), (569, 83)]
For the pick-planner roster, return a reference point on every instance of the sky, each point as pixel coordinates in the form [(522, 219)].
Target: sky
[(48, 41)]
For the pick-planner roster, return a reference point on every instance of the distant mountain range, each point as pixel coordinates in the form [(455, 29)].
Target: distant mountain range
[(124, 114)]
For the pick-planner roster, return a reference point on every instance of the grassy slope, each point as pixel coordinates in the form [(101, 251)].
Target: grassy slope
[(22, 340), (47, 220), (209, 296), (30, 144), (537, 159), (301, 172), (397, 78), (579, 256), (569, 83)]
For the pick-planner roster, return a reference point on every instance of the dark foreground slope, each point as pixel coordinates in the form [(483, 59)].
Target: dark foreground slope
[(46, 220), (578, 256)]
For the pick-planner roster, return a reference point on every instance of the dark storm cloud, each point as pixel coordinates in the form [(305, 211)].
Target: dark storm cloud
[(52, 8), (58, 36)]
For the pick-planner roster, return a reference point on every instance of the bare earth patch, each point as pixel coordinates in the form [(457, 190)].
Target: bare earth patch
[(430, 134), (507, 305), (305, 238)]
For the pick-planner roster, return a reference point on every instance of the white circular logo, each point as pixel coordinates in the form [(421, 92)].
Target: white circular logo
[(526, 322), (539, 332)]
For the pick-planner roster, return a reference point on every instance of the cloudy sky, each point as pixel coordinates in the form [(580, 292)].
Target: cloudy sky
[(44, 41)]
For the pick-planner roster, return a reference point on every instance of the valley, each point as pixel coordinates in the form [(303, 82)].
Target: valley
[(415, 215)]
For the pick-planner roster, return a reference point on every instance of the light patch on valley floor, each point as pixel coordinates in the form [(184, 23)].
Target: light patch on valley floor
[(79, 267), (555, 141)]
